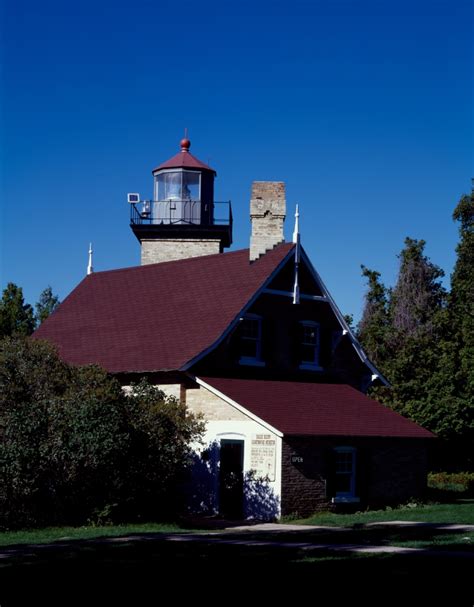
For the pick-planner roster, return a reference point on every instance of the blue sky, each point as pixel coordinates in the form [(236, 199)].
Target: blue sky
[(364, 108)]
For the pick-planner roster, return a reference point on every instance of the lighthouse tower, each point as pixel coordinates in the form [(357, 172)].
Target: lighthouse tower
[(182, 220)]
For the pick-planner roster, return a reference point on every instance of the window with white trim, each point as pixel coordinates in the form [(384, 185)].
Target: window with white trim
[(251, 340), (309, 345), (345, 474)]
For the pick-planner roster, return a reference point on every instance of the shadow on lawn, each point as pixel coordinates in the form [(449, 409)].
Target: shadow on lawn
[(143, 570)]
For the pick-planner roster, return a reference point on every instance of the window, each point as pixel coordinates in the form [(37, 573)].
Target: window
[(345, 474), (309, 346), (251, 340), (177, 197), (177, 185)]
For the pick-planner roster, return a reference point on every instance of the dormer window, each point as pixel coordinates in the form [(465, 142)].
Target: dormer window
[(251, 340), (309, 346)]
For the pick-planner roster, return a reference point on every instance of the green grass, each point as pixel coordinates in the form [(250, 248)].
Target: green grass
[(143, 572), (449, 541), (130, 572), (459, 513), (54, 534)]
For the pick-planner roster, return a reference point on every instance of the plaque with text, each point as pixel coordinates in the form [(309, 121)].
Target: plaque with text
[(263, 455)]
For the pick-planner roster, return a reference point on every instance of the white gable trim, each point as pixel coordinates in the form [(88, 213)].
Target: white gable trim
[(291, 294), (345, 327), (236, 320), (236, 405)]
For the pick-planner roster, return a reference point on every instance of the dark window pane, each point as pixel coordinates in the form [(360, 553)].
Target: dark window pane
[(344, 462), (343, 483), (250, 328), (309, 335), (248, 348), (308, 354)]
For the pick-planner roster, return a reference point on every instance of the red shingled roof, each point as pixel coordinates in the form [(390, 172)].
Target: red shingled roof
[(317, 409), (185, 160), (159, 316)]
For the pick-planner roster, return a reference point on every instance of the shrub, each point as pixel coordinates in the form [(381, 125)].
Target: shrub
[(75, 447), (452, 482)]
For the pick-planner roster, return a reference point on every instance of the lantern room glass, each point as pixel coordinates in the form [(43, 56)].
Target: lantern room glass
[(177, 185), (177, 197)]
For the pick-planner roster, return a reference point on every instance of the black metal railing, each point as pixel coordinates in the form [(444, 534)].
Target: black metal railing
[(181, 212)]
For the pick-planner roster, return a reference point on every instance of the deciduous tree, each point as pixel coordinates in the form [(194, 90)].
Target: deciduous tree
[(74, 445)]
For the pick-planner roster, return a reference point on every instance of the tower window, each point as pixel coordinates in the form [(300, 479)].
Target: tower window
[(251, 340), (309, 346)]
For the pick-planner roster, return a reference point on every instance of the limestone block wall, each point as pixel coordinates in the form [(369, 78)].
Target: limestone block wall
[(211, 406), (157, 251)]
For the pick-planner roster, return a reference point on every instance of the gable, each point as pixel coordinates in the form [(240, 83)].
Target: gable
[(340, 355)]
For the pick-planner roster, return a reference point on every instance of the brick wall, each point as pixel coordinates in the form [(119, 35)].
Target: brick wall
[(156, 251), (303, 484), (390, 471), (267, 213)]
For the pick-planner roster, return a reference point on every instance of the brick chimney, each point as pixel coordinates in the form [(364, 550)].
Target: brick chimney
[(267, 214)]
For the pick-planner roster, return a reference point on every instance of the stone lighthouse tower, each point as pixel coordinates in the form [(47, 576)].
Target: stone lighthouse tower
[(182, 220)]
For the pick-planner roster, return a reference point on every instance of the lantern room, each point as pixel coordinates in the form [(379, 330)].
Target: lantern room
[(182, 206), (183, 190)]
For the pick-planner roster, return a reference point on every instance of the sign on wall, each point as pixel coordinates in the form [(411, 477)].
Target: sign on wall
[(263, 455)]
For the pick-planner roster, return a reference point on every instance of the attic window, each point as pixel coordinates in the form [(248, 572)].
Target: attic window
[(251, 340), (309, 346)]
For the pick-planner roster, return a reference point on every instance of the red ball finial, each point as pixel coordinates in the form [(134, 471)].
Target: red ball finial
[(185, 144)]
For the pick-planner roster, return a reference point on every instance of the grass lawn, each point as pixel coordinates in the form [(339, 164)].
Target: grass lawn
[(148, 568), (55, 534), (461, 512), (154, 572)]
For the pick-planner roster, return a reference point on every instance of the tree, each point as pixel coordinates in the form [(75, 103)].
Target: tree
[(422, 341), (16, 316), (418, 297), (75, 446), (461, 300), (374, 324), (46, 305)]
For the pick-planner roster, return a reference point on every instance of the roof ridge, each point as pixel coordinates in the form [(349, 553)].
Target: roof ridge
[(185, 259)]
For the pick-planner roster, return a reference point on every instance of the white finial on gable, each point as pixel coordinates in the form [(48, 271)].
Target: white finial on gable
[(296, 240), (90, 268), (296, 231)]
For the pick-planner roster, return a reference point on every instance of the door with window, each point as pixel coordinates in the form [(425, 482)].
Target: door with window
[(231, 478)]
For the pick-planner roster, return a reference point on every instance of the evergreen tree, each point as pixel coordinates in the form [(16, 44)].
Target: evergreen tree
[(16, 316), (374, 324), (46, 305), (461, 301), (418, 297), (423, 342)]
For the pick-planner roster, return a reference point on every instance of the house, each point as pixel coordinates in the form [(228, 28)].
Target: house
[(253, 340)]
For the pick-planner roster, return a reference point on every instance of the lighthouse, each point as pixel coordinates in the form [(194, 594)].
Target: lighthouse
[(182, 219)]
